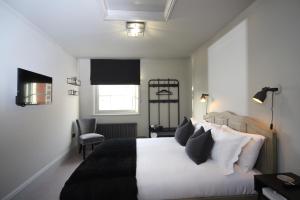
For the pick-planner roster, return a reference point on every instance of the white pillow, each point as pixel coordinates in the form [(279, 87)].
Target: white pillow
[(227, 148), (206, 125), (250, 151)]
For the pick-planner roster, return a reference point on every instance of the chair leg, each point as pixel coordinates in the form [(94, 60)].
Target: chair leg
[(83, 151), (80, 149)]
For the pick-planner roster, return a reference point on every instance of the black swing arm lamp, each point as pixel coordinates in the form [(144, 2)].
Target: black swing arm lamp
[(260, 97), (203, 98)]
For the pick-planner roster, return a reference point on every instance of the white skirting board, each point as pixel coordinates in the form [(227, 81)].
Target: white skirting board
[(36, 175)]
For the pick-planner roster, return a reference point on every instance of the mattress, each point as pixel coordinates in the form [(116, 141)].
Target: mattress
[(164, 171)]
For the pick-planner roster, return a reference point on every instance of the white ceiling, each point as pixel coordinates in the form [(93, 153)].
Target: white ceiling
[(79, 27)]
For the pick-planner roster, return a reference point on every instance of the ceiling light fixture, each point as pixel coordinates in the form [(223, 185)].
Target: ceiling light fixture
[(135, 29)]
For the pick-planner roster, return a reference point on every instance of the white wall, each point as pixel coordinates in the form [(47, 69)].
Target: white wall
[(150, 68), (273, 58), (227, 66), (199, 81), (31, 136)]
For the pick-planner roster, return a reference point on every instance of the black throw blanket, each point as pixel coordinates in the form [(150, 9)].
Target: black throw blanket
[(108, 173)]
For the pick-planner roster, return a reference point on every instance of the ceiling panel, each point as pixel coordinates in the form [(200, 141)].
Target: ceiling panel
[(137, 5)]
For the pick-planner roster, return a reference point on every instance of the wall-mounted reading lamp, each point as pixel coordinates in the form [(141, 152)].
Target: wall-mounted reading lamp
[(260, 97), (204, 99)]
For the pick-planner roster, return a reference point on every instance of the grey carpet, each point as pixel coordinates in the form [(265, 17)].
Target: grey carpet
[(49, 184)]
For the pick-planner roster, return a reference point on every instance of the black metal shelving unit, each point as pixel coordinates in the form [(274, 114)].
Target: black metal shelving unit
[(167, 92)]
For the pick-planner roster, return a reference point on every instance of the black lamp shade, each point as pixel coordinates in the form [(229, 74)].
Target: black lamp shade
[(260, 96)]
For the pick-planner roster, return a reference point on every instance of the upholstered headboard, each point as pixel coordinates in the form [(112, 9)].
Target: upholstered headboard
[(267, 160)]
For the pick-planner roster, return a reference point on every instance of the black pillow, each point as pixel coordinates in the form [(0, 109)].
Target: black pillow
[(183, 133), (185, 120), (199, 148), (198, 132)]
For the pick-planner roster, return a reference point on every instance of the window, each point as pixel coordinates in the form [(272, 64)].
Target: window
[(116, 99)]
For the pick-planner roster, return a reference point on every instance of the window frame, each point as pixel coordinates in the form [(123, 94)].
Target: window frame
[(114, 112)]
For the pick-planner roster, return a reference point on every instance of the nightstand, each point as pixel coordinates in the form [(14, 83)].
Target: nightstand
[(270, 180)]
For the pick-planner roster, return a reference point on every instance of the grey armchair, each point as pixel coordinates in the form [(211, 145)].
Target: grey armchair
[(87, 134)]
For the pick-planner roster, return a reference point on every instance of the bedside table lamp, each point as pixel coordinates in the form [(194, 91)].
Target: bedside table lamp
[(260, 97), (204, 99)]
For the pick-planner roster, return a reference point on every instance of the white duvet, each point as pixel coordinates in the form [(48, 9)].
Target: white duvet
[(164, 171)]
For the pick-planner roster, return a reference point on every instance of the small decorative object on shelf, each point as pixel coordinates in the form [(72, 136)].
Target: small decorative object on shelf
[(74, 81), (73, 92)]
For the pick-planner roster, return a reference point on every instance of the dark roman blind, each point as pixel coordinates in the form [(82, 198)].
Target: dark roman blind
[(115, 72)]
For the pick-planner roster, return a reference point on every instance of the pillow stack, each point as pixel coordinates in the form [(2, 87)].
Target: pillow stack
[(198, 143), (224, 145)]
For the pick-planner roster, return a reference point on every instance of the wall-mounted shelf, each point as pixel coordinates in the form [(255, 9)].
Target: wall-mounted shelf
[(76, 82), (73, 92), (73, 81)]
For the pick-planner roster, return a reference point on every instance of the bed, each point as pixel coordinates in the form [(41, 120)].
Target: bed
[(180, 177), (162, 170)]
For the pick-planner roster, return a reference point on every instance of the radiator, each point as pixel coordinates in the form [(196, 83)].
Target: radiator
[(120, 130)]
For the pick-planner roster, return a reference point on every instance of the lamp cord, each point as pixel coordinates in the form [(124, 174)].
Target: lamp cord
[(271, 125)]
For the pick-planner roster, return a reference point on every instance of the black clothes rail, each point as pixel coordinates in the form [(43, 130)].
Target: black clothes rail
[(167, 92)]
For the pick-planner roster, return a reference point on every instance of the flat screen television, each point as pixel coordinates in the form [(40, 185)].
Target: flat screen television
[(33, 88)]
